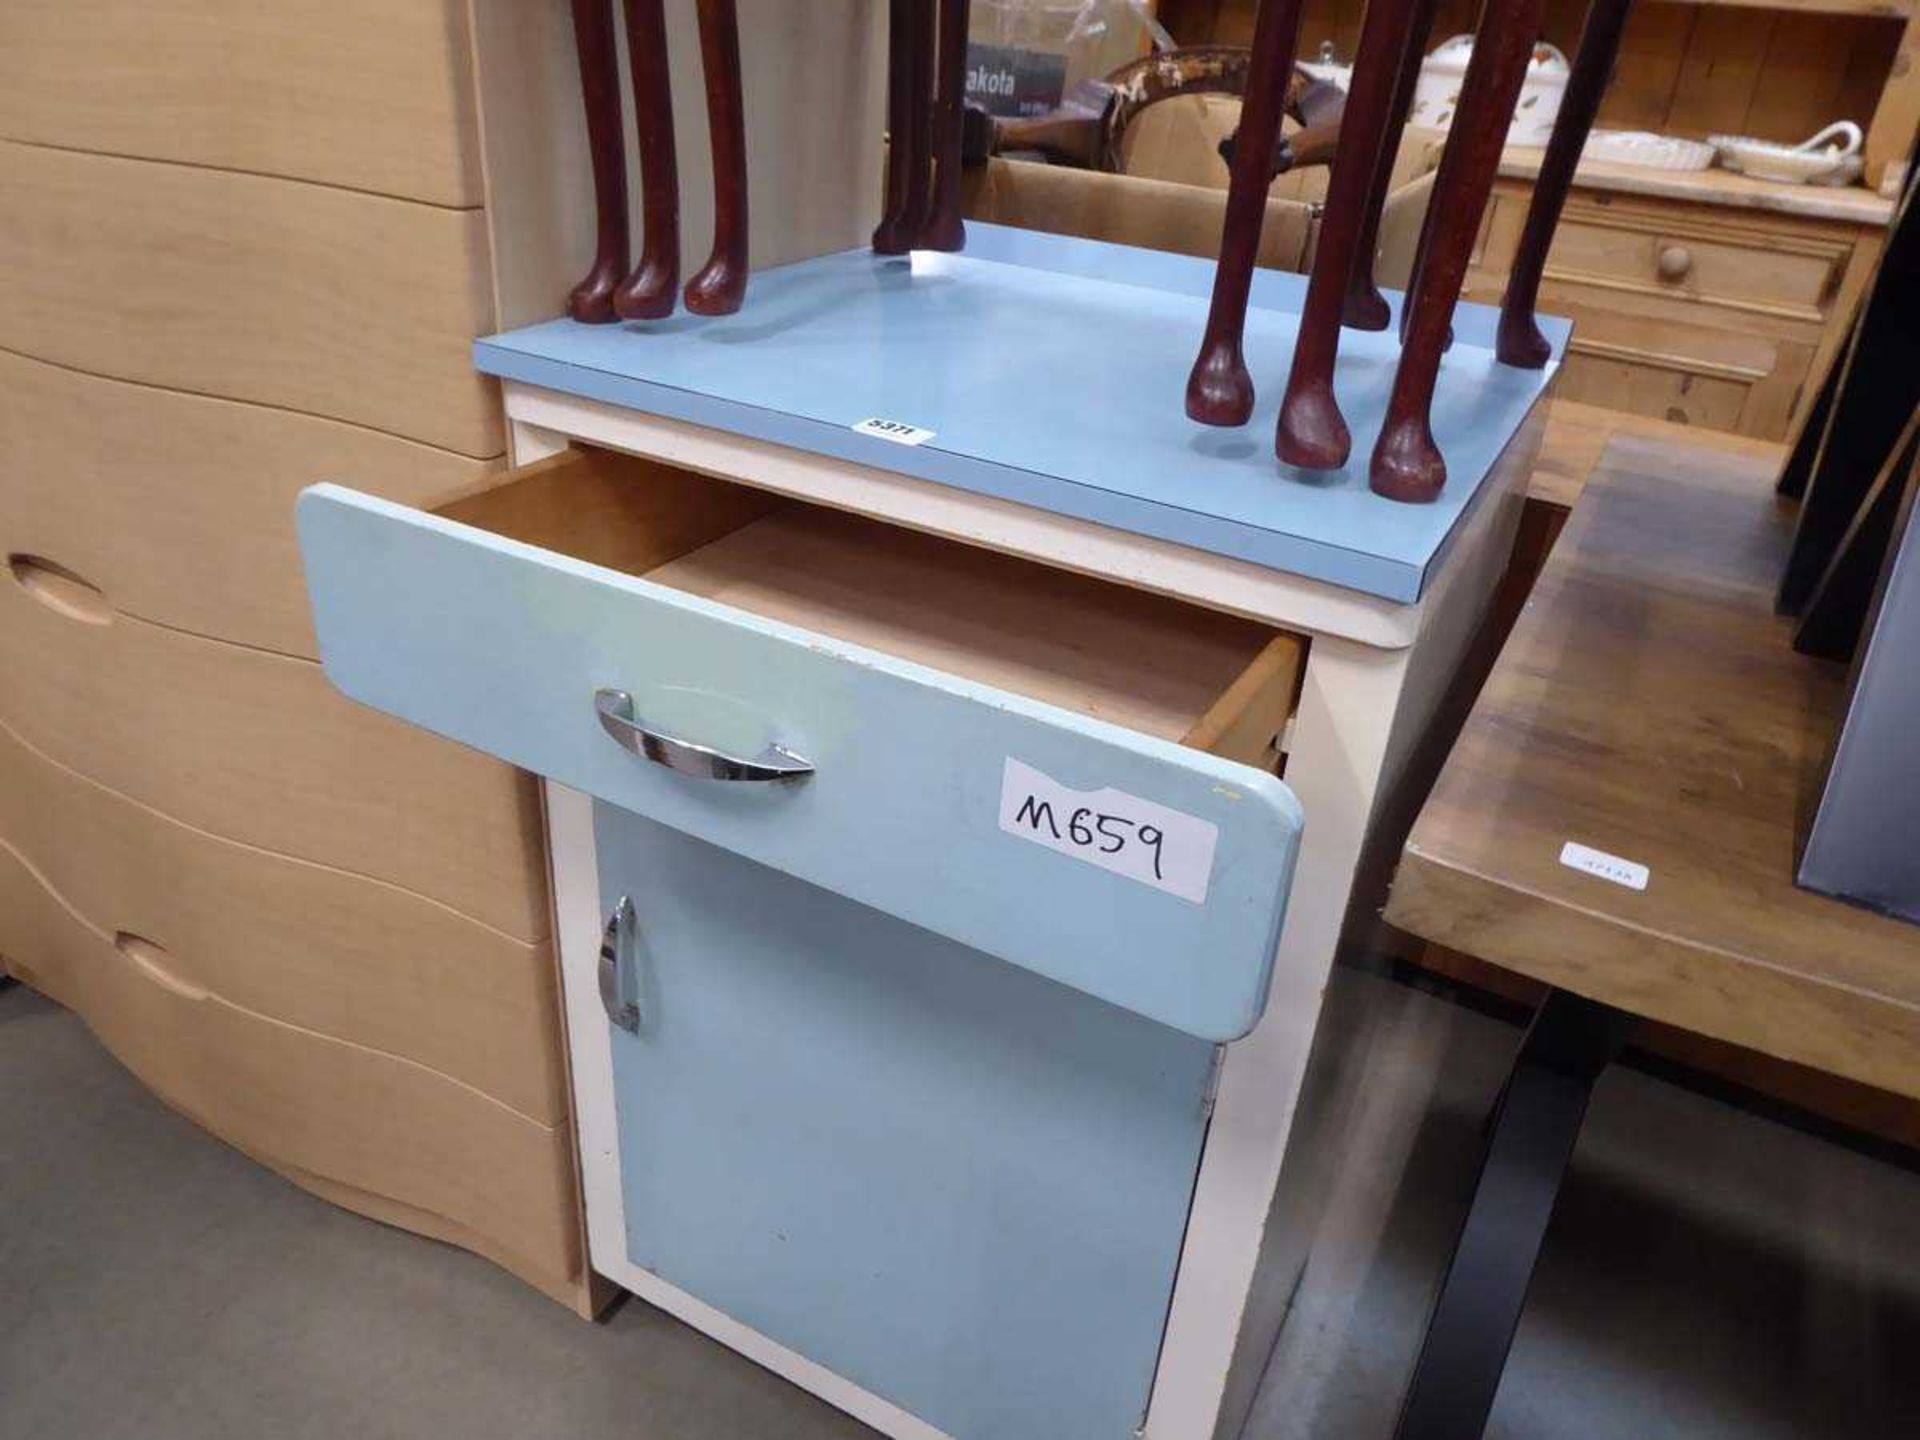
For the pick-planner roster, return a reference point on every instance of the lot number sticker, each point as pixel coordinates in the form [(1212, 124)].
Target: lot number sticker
[(897, 431), (1629, 873), (1147, 843)]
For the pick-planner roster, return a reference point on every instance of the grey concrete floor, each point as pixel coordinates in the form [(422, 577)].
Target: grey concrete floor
[(1710, 1273), (158, 1285)]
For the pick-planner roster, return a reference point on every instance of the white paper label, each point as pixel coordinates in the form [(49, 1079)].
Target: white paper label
[(1167, 849), (894, 430), (1608, 867)]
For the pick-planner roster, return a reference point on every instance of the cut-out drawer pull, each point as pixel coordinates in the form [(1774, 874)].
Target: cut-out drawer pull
[(60, 590), (685, 756), (157, 964)]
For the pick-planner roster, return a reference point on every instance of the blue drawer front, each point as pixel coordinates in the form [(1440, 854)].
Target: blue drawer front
[(957, 1184), (502, 646)]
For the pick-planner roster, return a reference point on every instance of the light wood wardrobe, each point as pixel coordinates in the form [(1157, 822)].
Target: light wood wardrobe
[(243, 248)]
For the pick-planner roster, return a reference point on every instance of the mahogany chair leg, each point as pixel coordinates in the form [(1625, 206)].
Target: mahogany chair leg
[(1312, 432), (1420, 247), (1419, 258), (1366, 308), (891, 237), (1407, 465), (1520, 341), (923, 75), (1219, 390), (721, 285), (653, 289), (945, 230), (591, 301)]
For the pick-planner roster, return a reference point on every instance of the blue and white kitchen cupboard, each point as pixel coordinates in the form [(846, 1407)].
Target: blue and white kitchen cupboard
[(941, 956)]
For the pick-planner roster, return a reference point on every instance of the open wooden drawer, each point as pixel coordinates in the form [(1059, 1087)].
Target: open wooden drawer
[(1071, 775)]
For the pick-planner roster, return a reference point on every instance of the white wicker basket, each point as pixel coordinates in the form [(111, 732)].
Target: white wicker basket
[(1643, 147)]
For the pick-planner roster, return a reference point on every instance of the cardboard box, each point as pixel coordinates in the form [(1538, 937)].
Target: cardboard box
[(1128, 210), (1173, 196), (1180, 140), (1057, 43)]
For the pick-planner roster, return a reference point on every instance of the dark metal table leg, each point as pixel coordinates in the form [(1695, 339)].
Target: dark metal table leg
[(1471, 1328)]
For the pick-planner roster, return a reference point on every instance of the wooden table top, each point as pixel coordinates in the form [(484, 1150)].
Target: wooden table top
[(1649, 705), (1578, 434)]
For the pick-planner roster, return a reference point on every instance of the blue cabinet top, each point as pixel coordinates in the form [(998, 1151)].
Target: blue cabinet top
[(1051, 372)]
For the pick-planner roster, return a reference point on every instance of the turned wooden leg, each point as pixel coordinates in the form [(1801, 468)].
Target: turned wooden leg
[(1312, 431), (1219, 390), (1366, 308), (919, 56), (653, 289), (1420, 256), (591, 300), (722, 282), (945, 230), (891, 237), (1520, 341), (923, 72), (1407, 465)]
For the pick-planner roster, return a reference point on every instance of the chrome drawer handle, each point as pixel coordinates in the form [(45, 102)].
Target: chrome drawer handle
[(616, 969), (684, 756)]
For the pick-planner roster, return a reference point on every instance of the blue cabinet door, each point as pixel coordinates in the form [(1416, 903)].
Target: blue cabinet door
[(955, 1182)]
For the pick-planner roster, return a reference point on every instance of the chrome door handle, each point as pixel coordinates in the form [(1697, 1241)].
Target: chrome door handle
[(617, 980), (615, 708)]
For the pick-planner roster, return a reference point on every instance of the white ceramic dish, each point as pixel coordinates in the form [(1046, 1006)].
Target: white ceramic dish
[(1830, 158), (1438, 94), (1643, 147)]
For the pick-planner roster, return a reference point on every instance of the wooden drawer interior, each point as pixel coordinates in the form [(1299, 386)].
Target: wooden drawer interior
[(1163, 667)]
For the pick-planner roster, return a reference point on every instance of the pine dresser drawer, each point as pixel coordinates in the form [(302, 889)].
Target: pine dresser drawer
[(1724, 263)]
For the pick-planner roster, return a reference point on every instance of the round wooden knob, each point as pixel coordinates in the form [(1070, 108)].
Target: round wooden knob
[(1675, 262)]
